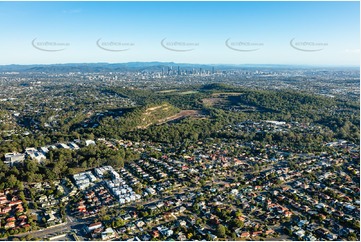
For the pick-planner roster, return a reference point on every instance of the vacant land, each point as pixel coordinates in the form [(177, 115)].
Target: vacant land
[(221, 98), (225, 94), (178, 92), (180, 115), (210, 102), (187, 92)]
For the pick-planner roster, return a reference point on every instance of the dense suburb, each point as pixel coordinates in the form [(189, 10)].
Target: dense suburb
[(212, 160)]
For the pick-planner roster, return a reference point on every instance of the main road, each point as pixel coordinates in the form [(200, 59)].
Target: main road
[(71, 223)]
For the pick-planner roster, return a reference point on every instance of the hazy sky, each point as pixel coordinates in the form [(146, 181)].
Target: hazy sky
[(314, 33)]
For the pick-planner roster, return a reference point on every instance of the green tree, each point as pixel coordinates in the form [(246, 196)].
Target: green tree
[(221, 231)]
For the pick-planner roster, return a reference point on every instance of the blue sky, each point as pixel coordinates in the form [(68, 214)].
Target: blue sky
[(324, 33)]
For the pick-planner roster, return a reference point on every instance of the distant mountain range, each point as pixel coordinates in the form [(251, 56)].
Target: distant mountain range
[(136, 66)]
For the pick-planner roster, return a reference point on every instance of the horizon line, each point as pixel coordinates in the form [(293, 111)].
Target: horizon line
[(183, 63)]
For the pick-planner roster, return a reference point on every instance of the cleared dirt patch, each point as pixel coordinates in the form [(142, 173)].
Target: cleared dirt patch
[(149, 110), (177, 92), (181, 114), (209, 102), (220, 98), (187, 92), (224, 94)]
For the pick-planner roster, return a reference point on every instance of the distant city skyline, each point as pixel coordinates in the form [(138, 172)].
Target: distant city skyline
[(286, 33)]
